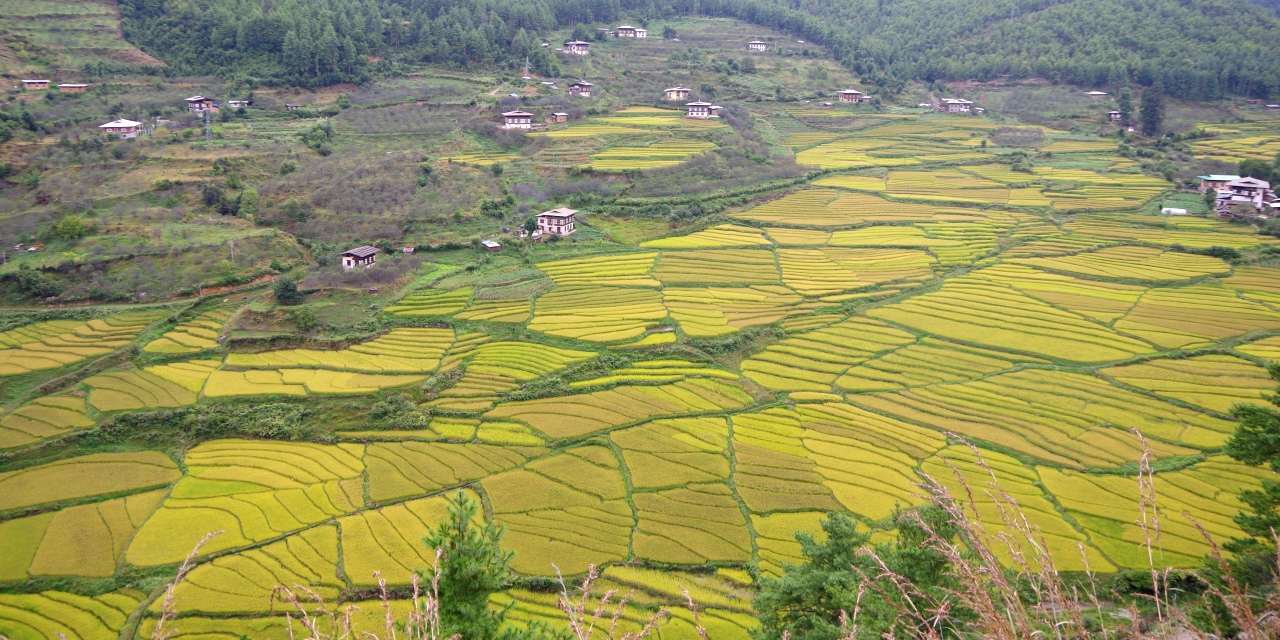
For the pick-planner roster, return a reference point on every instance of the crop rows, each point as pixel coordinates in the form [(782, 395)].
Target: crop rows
[(481, 159), (1069, 419), (1196, 316), (1213, 382), (675, 452), (1134, 263), (85, 476), (691, 525), (577, 415), (628, 269), (827, 271), (772, 470), (1204, 234), (406, 350), (191, 336), (714, 311), (597, 313), (665, 153), (404, 469), (655, 371), (37, 348), (826, 207), (163, 386), (79, 541), (720, 236), (431, 302), (927, 362), (389, 541), (43, 418), (58, 614), (717, 266), (1101, 301), (813, 361)]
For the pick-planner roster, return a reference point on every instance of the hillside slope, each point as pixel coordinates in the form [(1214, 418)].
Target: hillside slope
[(53, 35)]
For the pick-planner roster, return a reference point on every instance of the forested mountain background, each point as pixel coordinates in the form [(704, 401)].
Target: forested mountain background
[(1201, 49)]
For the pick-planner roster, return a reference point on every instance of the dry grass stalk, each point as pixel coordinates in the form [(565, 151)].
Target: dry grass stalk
[(1149, 522), (322, 623), (583, 617), (167, 610)]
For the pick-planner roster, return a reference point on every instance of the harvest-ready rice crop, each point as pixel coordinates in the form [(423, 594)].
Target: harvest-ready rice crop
[(1267, 348), (1133, 263), (389, 540), (1258, 283), (431, 302), (655, 371), (719, 236), (624, 269), (85, 476), (788, 237), (928, 362), (404, 469), (970, 310), (577, 415), (1215, 382), (498, 367), (81, 541), (1196, 316), (191, 336), (1107, 506), (675, 452), (405, 350), (55, 614), (514, 311), (597, 313), (812, 361), (1197, 233), (1078, 146), (243, 582), (1022, 501), (43, 418), (717, 266), (253, 491), (36, 347), (482, 159), (587, 129), (664, 153), (1102, 301), (776, 537), (772, 470), (855, 183), (828, 208), (691, 525), (714, 311), (1070, 419), (126, 390), (569, 509), (822, 272)]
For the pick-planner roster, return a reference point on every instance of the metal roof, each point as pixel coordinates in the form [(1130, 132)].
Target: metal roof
[(360, 252)]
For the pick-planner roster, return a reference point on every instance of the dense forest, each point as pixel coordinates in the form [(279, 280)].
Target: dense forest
[(1196, 48)]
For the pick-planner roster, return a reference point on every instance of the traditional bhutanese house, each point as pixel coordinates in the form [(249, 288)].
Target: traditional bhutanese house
[(121, 128), (292, 107), (677, 93), (757, 45), (580, 89), (850, 96), (577, 47), (359, 257), (1273, 107), (1114, 115), (698, 110), (236, 104), (1251, 191), (517, 120), (196, 104), (490, 245), (557, 222), (642, 33), (558, 117), (35, 85), (626, 31), (956, 105), (1214, 182), (73, 88), (1097, 95)]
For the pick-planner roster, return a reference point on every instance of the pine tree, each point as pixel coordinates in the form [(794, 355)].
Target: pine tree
[(1124, 103), (1152, 109)]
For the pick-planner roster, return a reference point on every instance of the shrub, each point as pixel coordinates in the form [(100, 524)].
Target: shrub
[(71, 228), (286, 291)]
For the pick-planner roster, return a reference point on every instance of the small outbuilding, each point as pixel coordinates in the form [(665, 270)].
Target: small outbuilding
[(121, 128), (758, 45), (359, 257), (292, 107), (490, 245), (580, 89), (577, 47), (35, 85), (73, 88), (558, 222), (1114, 116), (557, 118), (517, 120), (1097, 95)]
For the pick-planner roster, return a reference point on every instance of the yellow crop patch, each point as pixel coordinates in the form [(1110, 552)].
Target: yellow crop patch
[(814, 360), (49, 345), (85, 476), (1212, 382), (630, 269), (192, 336), (598, 313), (714, 311)]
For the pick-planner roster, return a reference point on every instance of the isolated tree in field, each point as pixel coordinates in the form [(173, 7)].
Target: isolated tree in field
[(668, 32), (1152, 110), (71, 228), (1124, 104), (474, 567), (809, 600), (286, 291)]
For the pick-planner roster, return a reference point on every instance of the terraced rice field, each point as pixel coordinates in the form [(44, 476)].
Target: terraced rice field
[(664, 153), (690, 401)]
